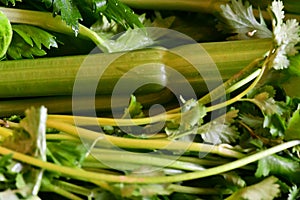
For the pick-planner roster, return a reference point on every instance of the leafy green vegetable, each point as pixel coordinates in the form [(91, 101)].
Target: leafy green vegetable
[(5, 34), (294, 193), (267, 189), (68, 11), (35, 36), (220, 130), (28, 41), (292, 131), (278, 165), (239, 19)]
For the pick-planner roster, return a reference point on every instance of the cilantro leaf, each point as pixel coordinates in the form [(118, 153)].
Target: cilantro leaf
[(66, 153), (293, 132), (294, 193), (239, 19), (191, 117), (294, 67), (286, 36), (278, 165), (220, 130), (267, 189)]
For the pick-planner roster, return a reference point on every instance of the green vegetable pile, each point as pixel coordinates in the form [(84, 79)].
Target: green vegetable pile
[(237, 140)]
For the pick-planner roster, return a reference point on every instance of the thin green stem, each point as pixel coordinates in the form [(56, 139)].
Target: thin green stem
[(142, 159), (61, 137), (239, 96), (153, 144), (218, 92), (79, 120), (72, 188), (196, 190), (5, 132), (85, 175), (58, 190), (243, 82)]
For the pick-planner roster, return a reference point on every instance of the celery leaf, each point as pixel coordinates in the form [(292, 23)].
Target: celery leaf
[(68, 11), (267, 189), (121, 14), (28, 41), (35, 36), (239, 19), (5, 34)]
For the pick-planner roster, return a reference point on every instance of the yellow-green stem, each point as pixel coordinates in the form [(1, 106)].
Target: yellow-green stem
[(152, 144)]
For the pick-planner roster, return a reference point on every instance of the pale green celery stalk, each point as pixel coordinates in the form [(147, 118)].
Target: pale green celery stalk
[(141, 143), (56, 76), (63, 104), (207, 6), (91, 176), (47, 21)]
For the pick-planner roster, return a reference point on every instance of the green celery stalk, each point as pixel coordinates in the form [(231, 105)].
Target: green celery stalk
[(41, 80), (56, 76)]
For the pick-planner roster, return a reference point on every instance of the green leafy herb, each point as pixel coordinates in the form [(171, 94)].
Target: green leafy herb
[(68, 11), (5, 34), (220, 130), (28, 41), (267, 189), (239, 19), (292, 132), (294, 193), (278, 165), (286, 36), (191, 117), (67, 153)]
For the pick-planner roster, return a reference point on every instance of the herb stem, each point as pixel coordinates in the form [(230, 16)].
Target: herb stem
[(5, 132), (239, 96), (195, 190), (141, 143), (142, 159), (58, 190), (81, 174), (72, 187)]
